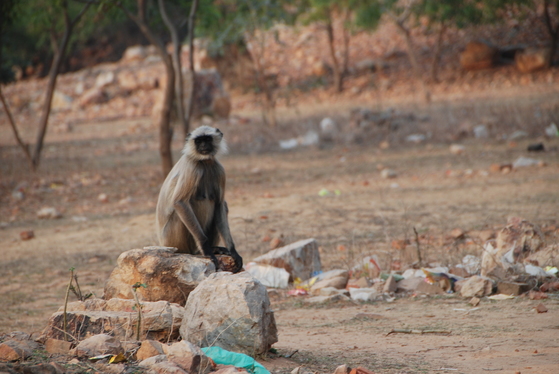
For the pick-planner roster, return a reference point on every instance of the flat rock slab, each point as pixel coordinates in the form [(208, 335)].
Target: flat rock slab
[(301, 259)]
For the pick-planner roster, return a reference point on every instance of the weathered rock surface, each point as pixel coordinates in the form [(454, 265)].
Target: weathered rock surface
[(188, 357), (168, 275), (149, 348), (409, 284), (231, 311), (532, 59), (98, 345), (17, 346), (476, 286), (478, 55), (301, 259), (160, 320)]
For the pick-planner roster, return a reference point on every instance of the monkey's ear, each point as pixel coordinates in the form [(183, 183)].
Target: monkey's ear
[(219, 131), (188, 135)]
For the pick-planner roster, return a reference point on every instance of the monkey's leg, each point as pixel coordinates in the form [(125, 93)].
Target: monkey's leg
[(222, 224), (188, 218)]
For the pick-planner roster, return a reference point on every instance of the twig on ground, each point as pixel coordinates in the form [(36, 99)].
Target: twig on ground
[(420, 332)]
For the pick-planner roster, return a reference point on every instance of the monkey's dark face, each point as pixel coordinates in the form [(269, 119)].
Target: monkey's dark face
[(204, 144)]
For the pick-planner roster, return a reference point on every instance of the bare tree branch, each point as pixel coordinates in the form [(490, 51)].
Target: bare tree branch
[(22, 145)]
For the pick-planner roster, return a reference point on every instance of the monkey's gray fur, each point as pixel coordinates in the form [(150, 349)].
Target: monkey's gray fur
[(191, 212)]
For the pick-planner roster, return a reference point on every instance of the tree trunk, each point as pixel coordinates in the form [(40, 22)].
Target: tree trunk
[(437, 54), (413, 60), (335, 65), (165, 130), (553, 31), (346, 37), (53, 75), (176, 57), (20, 142), (192, 87)]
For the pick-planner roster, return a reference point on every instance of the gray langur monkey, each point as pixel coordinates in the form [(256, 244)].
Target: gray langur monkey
[(191, 212)]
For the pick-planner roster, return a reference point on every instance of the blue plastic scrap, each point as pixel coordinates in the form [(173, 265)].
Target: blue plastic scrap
[(240, 360)]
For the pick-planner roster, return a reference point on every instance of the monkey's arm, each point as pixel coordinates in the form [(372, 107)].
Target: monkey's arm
[(222, 210), (188, 218)]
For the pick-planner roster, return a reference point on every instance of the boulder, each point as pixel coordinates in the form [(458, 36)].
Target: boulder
[(210, 97), (98, 345), (515, 242), (476, 286), (17, 346), (390, 285), (149, 348), (532, 59), (301, 259), (409, 284), (231, 311), (134, 53), (168, 275), (160, 320), (56, 346), (188, 357), (105, 78), (478, 55)]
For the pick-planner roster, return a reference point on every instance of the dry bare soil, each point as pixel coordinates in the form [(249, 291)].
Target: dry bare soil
[(275, 194)]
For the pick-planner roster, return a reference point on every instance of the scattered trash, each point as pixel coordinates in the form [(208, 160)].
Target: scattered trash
[(525, 162), (416, 138), (481, 132), (49, 213), (223, 357), (536, 147), (288, 144), (269, 276), (552, 130)]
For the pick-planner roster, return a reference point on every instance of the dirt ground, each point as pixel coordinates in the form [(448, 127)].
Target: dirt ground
[(275, 194)]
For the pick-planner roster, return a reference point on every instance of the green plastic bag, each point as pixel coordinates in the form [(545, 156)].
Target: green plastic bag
[(224, 357)]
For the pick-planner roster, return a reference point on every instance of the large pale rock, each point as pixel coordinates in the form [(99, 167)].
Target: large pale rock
[(135, 53), (548, 256), (532, 59), (301, 259), (168, 276), (231, 311), (99, 345), (478, 55), (160, 320), (476, 286), (409, 284), (517, 241)]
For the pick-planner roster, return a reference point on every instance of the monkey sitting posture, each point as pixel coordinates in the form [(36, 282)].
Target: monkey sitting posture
[(191, 211)]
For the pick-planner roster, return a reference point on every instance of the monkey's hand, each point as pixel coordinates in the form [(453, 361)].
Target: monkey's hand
[(209, 252), (237, 258)]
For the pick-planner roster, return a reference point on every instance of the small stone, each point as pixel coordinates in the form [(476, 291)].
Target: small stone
[(49, 213), (388, 174), (99, 345), (27, 235), (474, 301), (149, 348), (512, 288), (390, 285), (276, 243), (541, 308), (103, 198), (55, 346), (457, 149), (342, 369)]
